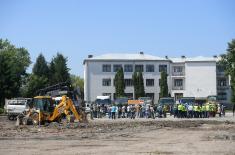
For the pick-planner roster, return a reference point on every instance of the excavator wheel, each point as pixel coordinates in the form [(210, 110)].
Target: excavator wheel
[(35, 118), (25, 121)]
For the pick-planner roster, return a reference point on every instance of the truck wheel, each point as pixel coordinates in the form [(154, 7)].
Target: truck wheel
[(11, 117)]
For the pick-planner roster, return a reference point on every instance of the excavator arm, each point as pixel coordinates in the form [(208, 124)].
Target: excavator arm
[(64, 106)]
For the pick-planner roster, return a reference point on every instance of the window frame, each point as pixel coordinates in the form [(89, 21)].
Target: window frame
[(104, 66), (150, 71), (160, 68), (147, 81), (138, 65), (125, 67), (103, 82), (115, 65)]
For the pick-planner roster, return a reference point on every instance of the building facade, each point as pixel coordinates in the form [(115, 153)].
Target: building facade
[(187, 77)]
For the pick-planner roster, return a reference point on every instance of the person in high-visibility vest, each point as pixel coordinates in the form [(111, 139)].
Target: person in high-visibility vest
[(199, 111), (204, 111), (184, 111), (195, 109), (180, 110), (207, 110)]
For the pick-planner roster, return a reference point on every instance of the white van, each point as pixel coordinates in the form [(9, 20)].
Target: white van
[(15, 106), (103, 100)]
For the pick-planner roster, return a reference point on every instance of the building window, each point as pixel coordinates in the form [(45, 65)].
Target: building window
[(106, 68), (139, 68), (178, 69), (116, 67), (162, 68), (222, 96), (128, 68), (106, 82), (149, 68), (151, 95), (220, 68), (178, 82), (222, 82), (106, 94), (128, 82), (149, 82)]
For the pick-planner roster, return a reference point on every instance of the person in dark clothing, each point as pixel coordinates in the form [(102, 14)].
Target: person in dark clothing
[(132, 112)]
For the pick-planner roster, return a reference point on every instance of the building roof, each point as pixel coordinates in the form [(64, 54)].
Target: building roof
[(147, 57), (193, 59), (126, 56)]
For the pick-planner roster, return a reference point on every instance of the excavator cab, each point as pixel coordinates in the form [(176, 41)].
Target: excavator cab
[(43, 103)]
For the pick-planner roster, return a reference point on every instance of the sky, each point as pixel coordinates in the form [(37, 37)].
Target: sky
[(77, 28)]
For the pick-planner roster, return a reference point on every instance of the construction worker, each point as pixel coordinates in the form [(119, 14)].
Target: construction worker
[(207, 110), (184, 111), (195, 111), (180, 110), (175, 110), (164, 110), (203, 111), (199, 111)]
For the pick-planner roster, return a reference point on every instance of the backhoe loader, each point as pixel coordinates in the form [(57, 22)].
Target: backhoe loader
[(42, 111)]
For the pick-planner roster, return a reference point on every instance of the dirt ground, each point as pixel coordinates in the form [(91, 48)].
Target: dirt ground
[(121, 136)]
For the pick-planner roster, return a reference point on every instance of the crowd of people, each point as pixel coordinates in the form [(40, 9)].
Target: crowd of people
[(198, 110), (179, 110)]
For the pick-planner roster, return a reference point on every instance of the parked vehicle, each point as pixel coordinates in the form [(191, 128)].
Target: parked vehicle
[(43, 111), (165, 105), (103, 100), (16, 106)]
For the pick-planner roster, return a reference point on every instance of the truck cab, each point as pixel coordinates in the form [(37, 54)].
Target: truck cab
[(16, 106)]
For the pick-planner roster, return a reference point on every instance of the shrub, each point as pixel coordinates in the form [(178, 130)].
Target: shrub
[(1, 110)]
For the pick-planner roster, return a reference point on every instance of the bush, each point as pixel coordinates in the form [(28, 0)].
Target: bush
[(1, 110)]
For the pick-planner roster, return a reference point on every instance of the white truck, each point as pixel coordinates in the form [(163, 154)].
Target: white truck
[(16, 106)]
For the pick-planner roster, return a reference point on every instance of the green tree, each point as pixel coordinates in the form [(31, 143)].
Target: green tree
[(141, 85), (13, 64), (138, 83), (39, 77), (119, 83), (228, 62), (41, 68), (59, 70), (135, 83), (34, 84), (163, 85), (78, 82)]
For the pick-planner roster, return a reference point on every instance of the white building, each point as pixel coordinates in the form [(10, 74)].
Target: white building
[(188, 77)]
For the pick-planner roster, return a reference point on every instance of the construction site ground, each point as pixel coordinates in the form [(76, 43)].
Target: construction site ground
[(121, 136)]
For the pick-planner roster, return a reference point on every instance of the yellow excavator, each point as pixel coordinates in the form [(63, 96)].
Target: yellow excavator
[(44, 109)]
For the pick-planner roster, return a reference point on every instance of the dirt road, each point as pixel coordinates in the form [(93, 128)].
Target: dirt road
[(123, 136)]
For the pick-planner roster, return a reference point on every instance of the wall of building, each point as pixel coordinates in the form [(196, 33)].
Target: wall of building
[(94, 75), (200, 79)]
